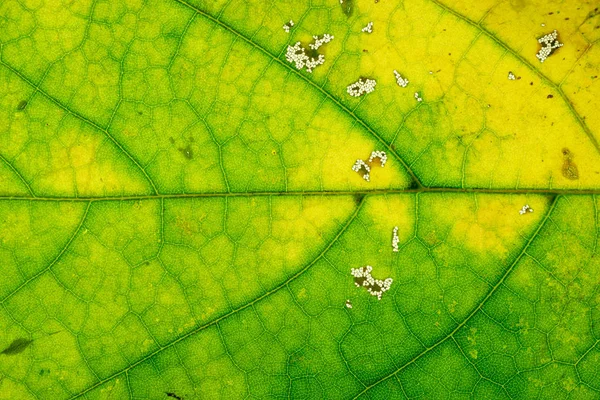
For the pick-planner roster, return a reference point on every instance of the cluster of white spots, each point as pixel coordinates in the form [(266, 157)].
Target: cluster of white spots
[(361, 87), (419, 98), (297, 54), (288, 25), (378, 154), (368, 28), (402, 82), (348, 304), (511, 76), (525, 209), (365, 167), (360, 165), (320, 41), (395, 239), (549, 42), (376, 287)]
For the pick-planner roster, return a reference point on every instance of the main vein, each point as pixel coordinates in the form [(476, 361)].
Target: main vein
[(361, 192)]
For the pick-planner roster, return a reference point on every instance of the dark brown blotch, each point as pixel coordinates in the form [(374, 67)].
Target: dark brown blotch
[(17, 346)]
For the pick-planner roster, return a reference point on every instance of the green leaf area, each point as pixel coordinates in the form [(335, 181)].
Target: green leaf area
[(179, 216)]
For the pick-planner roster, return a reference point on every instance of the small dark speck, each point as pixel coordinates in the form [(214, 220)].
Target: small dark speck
[(531, 83), (449, 54), (566, 19), (550, 13), (365, 51), (173, 395), (549, 96), (22, 104)]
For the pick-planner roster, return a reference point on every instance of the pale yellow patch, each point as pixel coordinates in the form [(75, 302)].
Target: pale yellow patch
[(491, 225)]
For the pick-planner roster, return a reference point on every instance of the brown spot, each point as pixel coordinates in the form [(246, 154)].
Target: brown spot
[(531, 83), (549, 96), (359, 281), (347, 7), (569, 168), (187, 152), (17, 346)]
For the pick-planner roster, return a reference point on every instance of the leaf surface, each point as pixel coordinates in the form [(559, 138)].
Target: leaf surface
[(179, 216)]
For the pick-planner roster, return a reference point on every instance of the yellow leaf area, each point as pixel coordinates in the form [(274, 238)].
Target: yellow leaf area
[(179, 216)]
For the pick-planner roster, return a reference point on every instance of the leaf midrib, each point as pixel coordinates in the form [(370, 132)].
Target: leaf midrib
[(365, 192)]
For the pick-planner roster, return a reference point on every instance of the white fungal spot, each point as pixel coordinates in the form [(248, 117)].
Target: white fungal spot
[(378, 154), (368, 28), (419, 98), (359, 166), (511, 76), (287, 26), (395, 239), (376, 287), (361, 87), (402, 82), (297, 54), (549, 43), (525, 209), (379, 287), (320, 41), (348, 304)]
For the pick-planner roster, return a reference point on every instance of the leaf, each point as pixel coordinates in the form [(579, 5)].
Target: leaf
[(177, 200)]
